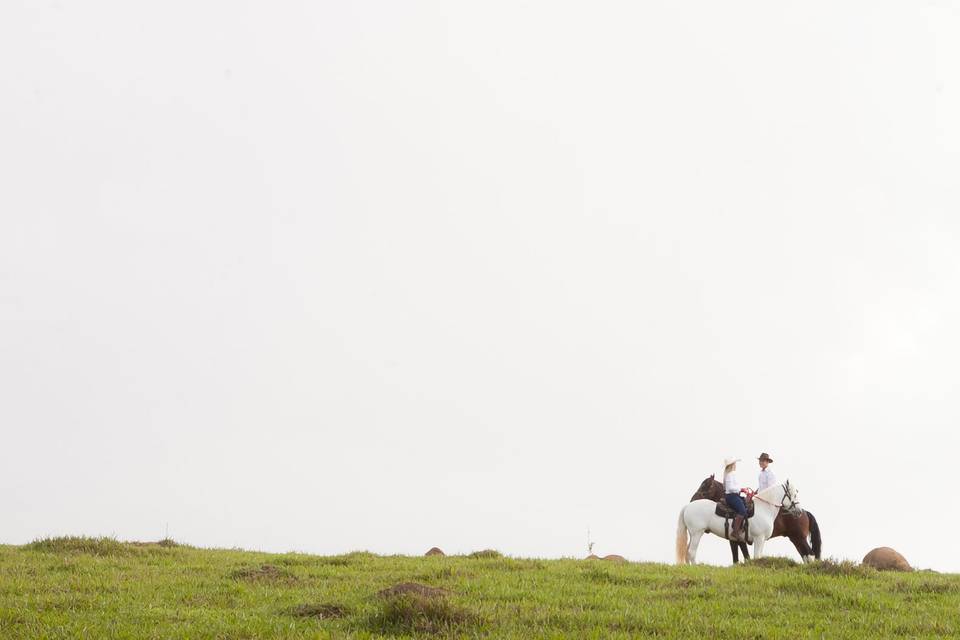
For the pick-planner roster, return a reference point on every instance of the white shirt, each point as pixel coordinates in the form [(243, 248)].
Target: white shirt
[(730, 484), (767, 479)]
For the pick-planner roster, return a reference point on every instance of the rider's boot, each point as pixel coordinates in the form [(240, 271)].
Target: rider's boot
[(737, 533)]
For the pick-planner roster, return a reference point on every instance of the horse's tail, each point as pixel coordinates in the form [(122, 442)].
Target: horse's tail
[(682, 539), (816, 541)]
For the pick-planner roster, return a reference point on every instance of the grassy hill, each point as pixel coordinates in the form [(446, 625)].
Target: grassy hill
[(101, 588)]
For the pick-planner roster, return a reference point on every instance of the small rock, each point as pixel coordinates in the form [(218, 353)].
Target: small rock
[(435, 551), (886, 559)]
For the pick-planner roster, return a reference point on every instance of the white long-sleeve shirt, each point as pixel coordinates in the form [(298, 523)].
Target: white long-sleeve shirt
[(730, 484), (767, 479)]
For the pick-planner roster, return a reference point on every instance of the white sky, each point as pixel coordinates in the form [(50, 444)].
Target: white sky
[(388, 275)]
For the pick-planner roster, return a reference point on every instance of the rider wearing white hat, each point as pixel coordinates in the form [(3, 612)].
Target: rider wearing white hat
[(733, 499)]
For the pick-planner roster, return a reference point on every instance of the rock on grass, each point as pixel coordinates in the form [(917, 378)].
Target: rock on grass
[(886, 559)]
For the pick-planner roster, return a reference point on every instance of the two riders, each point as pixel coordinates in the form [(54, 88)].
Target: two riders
[(732, 491)]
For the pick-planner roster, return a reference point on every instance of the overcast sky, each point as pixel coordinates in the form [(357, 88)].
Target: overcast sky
[(329, 276)]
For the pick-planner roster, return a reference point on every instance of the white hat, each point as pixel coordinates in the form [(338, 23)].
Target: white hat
[(729, 461)]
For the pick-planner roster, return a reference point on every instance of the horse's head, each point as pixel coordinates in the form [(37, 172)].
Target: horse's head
[(709, 489), (790, 502)]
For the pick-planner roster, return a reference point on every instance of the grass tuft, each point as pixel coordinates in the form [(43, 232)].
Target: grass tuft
[(925, 587), (168, 542), (772, 562), (80, 544), (443, 573), (486, 553), (833, 567), (335, 561), (411, 613)]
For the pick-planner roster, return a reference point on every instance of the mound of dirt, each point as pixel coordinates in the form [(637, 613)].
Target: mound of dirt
[(320, 611), (266, 572), (435, 551), (166, 542), (614, 558), (412, 588), (414, 609), (886, 559)]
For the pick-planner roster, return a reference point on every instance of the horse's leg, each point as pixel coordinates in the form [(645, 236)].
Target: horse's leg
[(758, 542), (746, 553), (735, 550), (807, 552), (692, 548), (803, 548)]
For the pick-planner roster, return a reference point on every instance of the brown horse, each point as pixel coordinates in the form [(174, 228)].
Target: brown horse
[(797, 528)]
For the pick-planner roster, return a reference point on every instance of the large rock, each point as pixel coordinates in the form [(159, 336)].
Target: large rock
[(886, 559)]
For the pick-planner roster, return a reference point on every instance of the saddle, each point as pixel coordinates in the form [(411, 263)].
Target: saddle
[(729, 514), (726, 512)]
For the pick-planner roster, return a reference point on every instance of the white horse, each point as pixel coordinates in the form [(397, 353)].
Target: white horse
[(699, 517)]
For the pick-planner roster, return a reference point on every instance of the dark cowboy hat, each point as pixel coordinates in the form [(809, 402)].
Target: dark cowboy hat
[(764, 456)]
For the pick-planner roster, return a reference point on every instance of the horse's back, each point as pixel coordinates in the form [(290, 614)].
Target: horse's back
[(700, 513), (789, 526)]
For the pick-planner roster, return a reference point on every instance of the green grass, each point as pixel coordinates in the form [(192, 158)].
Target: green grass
[(102, 588)]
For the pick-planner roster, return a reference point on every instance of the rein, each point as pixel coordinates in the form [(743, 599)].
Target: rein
[(779, 506)]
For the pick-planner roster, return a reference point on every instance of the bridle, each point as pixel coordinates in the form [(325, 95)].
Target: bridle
[(794, 505)]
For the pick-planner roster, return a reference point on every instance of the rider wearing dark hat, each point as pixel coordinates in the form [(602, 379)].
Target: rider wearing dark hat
[(767, 479)]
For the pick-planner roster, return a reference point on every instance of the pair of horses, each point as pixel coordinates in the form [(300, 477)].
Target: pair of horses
[(776, 513)]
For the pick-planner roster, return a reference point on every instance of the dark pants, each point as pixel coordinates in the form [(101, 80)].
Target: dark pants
[(735, 502)]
